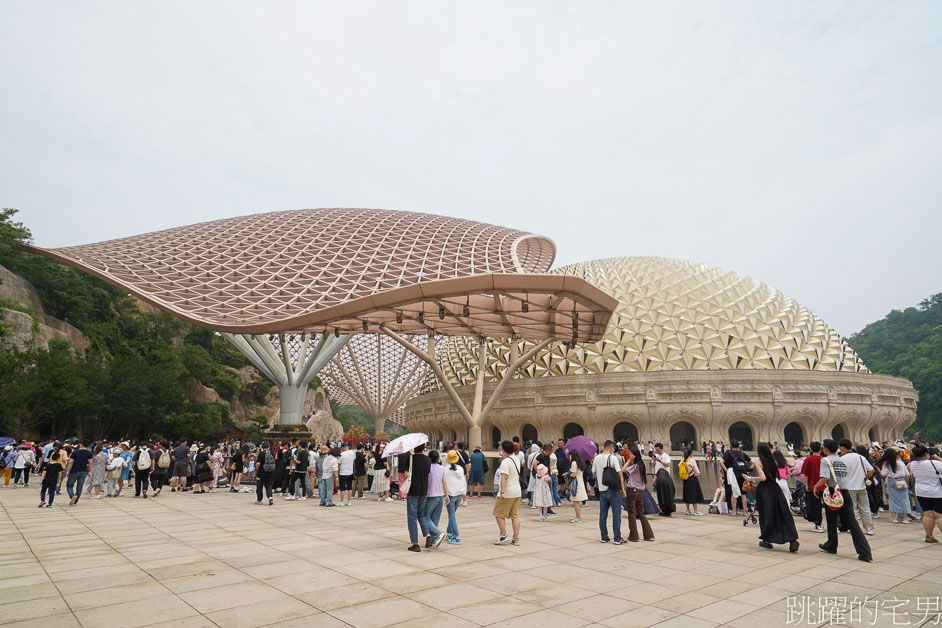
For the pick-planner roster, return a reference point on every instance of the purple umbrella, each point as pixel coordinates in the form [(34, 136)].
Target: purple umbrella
[(584, 445)]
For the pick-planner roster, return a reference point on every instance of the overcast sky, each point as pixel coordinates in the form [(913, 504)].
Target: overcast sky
[(800, 144)]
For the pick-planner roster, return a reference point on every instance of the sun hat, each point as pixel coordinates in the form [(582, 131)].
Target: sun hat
[(478, 448), (451, 457)]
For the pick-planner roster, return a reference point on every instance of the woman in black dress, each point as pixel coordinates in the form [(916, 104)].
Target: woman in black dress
[(693, 494), (204, 472), (238, 467), (776, 524), (280, 481)]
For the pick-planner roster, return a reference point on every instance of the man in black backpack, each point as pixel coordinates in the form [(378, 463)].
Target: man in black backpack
[(611, 485), (739, 462), (264, 473)]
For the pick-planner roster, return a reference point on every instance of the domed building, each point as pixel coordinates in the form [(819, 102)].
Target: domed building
[(692, 353)]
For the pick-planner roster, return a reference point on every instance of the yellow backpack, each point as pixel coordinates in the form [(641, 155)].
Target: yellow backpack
[(682, 470)]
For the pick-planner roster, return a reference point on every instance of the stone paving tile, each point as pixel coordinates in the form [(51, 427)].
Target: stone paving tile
[(165, 609), (639, 618), (454, 595), (231, 596), (723, 611), (499, 610), (65, 620), (262, 613), (382, 612)]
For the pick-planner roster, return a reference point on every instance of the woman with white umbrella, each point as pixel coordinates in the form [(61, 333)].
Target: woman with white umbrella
[(416, 488)]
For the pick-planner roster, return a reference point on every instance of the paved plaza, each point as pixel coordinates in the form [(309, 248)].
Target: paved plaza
[(188, 560)]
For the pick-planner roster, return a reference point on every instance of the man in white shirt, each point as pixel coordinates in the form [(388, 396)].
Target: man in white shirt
[(609, 496), (507, 504), (854, 484), (347, 459)]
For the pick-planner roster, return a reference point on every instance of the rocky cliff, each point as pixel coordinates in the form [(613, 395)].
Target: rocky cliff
[(27, 323)]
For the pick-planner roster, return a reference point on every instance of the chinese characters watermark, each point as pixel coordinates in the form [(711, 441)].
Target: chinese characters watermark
[(844, 611)]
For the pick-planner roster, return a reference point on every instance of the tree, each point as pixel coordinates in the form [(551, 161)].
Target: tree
[(354, 435), (908, 344)]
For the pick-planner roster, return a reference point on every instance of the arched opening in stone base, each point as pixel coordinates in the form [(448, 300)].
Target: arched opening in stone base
[(495, 437), (529, 434), (742, 431), (625, 431), (795, 434), (871, 434), (682, 434), (838, 432), (572, 430)]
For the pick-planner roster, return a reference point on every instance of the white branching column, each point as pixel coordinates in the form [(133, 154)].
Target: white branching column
[(291, 362), (477, 413), (377, 374)]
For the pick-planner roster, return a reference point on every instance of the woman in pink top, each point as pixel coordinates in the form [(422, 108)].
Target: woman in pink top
[(801, 481)]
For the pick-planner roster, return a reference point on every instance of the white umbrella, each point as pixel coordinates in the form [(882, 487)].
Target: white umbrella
[(405, 444)]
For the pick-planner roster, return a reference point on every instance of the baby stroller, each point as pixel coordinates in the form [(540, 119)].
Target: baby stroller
[(751, 515), (798, 501)]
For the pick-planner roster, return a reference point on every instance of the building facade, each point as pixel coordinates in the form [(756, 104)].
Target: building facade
[(693, 353)]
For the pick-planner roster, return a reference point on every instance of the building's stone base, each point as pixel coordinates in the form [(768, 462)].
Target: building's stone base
[(764, 405)]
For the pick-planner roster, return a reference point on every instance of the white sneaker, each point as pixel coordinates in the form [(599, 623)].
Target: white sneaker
[(389, 499), (871, 532), (290, 498), (348, 504), (302, 499), (817, 529)]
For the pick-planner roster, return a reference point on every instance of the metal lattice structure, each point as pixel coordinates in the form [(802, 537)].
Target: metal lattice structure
[(348, 271), (675, 315), (376, 373), (334, 272)]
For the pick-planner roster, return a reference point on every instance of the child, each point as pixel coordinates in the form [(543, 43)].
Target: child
[(50, 479), (718, 505), (457, 486), (542, 494)]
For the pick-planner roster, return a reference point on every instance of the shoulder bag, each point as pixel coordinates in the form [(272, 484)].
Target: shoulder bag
[(864, 469), (835, 500), (610, 475)]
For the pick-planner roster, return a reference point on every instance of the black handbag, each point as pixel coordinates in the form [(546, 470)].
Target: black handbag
[(610, 475)]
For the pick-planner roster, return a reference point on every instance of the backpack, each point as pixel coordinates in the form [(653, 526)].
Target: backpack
[(269, 464), (143, 460), (164, 460), (610, 475), (682, 470)]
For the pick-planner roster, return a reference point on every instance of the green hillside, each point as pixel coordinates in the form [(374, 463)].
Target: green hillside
[(909, 344)]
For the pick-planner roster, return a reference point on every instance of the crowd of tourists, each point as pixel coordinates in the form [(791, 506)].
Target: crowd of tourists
[(837, 487)]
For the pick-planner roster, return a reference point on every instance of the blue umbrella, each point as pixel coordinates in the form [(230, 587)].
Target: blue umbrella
[(4, 441)]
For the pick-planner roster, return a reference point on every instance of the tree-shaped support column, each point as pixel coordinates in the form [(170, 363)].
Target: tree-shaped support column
[(477, 413), (291, 361), (376, 373)]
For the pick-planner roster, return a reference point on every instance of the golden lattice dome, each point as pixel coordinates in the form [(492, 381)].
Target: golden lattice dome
[(677, 315)]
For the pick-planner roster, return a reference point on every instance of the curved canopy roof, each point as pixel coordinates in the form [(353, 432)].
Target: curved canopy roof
[(350, 270)]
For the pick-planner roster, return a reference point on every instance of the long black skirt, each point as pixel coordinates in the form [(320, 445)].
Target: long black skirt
[(664, 486), (692, 492), (776, 524)]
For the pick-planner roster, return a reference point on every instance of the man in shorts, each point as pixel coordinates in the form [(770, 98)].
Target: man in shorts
[(507, 505), (181, 463)]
